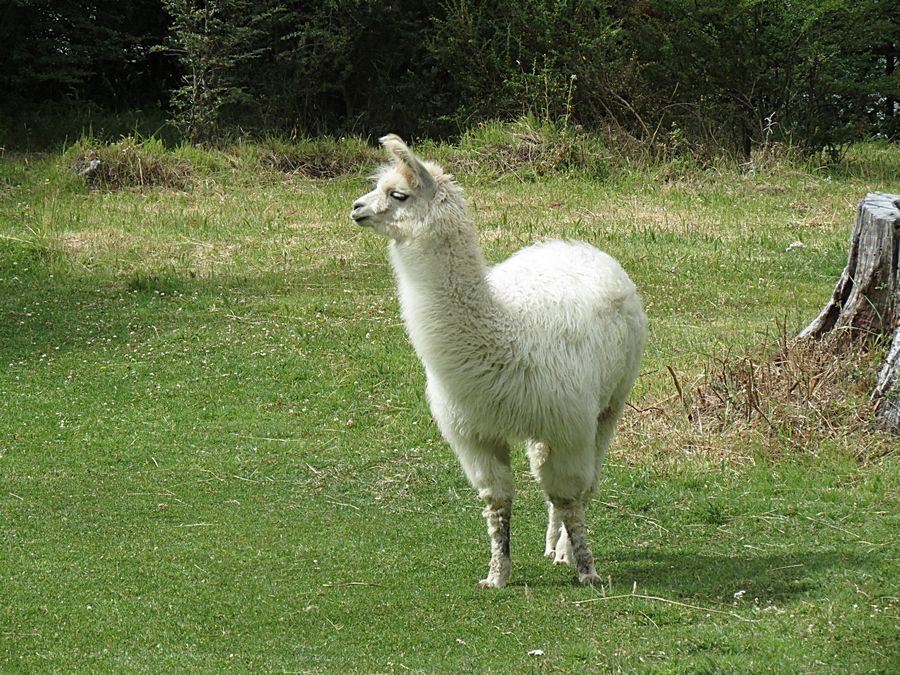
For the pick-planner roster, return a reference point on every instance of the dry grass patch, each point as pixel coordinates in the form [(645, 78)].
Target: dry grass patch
[(647, 215), (800, 397), (196, 258), (826, 217), (96, 243), (207, 258)]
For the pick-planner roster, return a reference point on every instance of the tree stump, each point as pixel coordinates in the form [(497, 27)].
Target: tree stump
[(866, 301), (887, 388)]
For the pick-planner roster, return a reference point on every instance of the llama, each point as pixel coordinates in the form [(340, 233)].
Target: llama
[(542, 348)]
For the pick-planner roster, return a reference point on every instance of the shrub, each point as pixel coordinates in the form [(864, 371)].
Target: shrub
[(530, 148), (131, 162), (316, 158)]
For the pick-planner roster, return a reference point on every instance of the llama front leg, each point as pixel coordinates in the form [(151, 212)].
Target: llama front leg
[(571, 513), (554, 525), (485, 462), (497, 513)]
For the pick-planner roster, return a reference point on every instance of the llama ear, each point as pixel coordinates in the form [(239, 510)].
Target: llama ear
[(415, 172)]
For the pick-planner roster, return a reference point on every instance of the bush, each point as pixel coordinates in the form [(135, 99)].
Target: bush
[(131, 162), (508, 58), (736, 75), (316, 158), (528, 149)]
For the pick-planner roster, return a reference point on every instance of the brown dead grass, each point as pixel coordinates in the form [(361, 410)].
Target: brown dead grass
[(98, 244), (800, 396), (816, 218), (203, 259), (129, 164)]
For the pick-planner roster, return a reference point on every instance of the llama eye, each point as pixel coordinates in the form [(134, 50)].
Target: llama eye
[(399, 196)]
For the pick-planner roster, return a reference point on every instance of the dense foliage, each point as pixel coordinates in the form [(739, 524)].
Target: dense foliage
[(706, 75)]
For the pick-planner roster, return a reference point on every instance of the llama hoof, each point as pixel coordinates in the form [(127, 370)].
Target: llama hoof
[(591, 579), (562, 558), (489, 583)]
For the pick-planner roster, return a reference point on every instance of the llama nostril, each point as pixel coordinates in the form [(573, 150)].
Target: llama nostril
[(359, 213)]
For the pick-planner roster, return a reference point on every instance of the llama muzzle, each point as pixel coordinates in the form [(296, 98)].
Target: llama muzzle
[(360, 213)]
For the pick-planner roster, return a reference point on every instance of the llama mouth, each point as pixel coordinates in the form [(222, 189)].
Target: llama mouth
[(359, 218)]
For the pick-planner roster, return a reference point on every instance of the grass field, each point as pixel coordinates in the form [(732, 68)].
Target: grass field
[(215, 452)]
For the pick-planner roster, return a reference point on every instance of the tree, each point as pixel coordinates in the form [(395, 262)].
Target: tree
[(735, 74), (356, 66), (89, 51), (213, 40)]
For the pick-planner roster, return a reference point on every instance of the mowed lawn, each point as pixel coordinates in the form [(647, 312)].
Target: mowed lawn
[(216, 455)]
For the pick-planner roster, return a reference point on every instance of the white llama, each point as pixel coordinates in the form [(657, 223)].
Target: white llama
[(543, 347)]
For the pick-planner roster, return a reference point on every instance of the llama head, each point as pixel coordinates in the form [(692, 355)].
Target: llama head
[(406, 192)]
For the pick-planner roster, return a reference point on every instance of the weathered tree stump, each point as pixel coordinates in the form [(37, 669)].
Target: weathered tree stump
[(887, 388), (866, 301)]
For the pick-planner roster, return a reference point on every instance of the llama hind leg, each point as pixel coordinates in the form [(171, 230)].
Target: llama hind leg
[(556, 543), (568, 479), (572, 515), (572, 510), (554, 531), (558, 547)]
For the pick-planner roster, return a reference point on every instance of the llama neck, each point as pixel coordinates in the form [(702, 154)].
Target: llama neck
[(448, 307)]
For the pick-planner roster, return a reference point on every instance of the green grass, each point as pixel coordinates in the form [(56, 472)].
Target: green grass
[(215, 452)]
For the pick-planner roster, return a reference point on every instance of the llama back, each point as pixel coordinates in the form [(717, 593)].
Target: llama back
[(581, 323), (568, 285)]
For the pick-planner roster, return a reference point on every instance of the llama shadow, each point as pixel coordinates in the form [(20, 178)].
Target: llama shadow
[(710, 577)]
